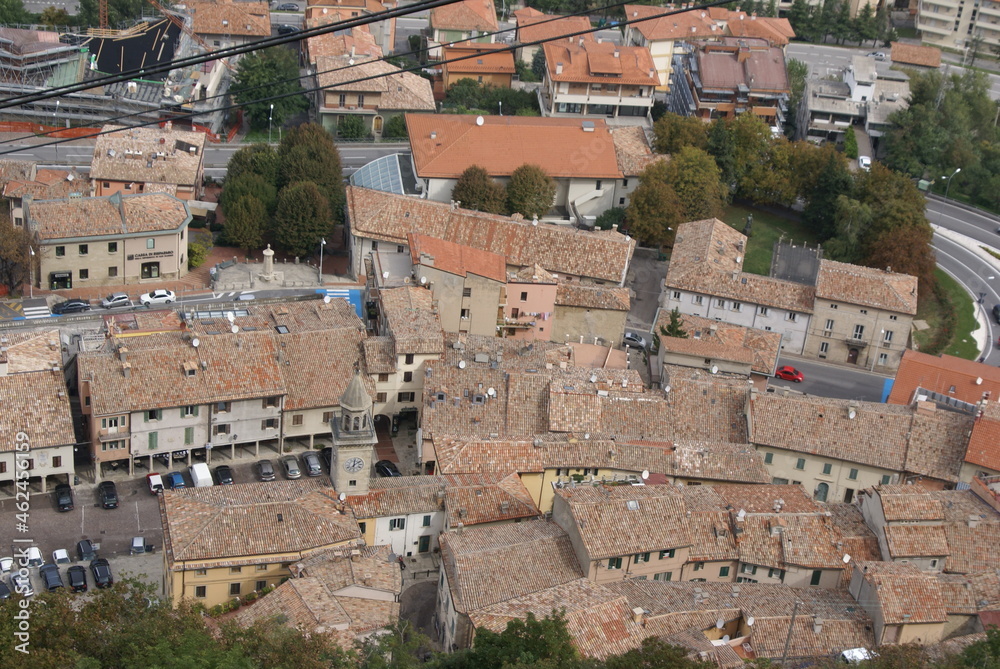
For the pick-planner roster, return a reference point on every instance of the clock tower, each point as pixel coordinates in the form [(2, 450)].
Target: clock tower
[(353, 440)]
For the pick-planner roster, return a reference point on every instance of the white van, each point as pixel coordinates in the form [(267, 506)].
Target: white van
[(201, 476), (857, 655)]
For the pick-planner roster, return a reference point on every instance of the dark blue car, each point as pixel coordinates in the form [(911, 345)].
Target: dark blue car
[(174, 481)]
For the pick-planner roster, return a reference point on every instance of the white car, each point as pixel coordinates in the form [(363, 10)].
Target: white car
[(6, 564), (60, 556), (158, 296), (865, 163), (878, 55), (34, 557)]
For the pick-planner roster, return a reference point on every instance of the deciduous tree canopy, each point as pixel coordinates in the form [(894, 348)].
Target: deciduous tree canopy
[(475, 189)]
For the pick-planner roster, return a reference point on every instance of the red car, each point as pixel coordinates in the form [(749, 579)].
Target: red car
[(789, 374)]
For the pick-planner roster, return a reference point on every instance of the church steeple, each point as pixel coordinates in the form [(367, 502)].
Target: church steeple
[(354, 439)]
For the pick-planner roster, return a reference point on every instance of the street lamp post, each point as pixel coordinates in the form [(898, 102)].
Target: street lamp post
[(31, 273), (322, 243), (948, 187), (875, 355), (269, 115), (55, 121)]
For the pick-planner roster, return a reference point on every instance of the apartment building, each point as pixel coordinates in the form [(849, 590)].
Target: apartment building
[(227, 24), (466, 20), (149, 159), (954, 25), (321, 12), (486, 64)]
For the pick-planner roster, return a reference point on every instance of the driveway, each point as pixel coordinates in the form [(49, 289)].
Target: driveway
[(645, 278), (416, 605)]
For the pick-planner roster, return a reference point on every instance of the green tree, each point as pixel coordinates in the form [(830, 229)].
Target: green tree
[(656, 654), (843, 27), (850, 144), (866, 25), (797, 73), (197, 253), (675, 328), (265, 74), (531, 642), (248, 185), (720, 146), (119, 12), (798, 16), (983, 654), (761, 164), (308, 153), (259, 159), (401, 647), (14, 254), (697, 181), (672, 132), (475, 189), (538, 63), (54, 18), (881, 23), (301, 219), (352, 127), (246, 223), (654, 209), (609, 218), (975, 46), (524, 72), (851, 222), (530, 191), (395, 128)]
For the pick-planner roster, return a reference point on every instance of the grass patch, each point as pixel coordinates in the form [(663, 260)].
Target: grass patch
[(260, 137), (767, 229), (910, 33), (951, 315)]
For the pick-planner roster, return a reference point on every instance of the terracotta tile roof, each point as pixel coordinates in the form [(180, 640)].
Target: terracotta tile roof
[(131, 155), (908, 503), (941, 373), (531, 274), (472, 500), (785, 539), (311, 385), (613, 298), (598, 620), (907, 541), (99, 216), (397, 90), (47, 185), (412, 323), (380, 355), (31, 350), (625, 520), (237, 367), (17, 170), (905, 594), (470, 560), (37, 404), (717, 21), (633, 151), (913, 54), (984, 443), (488, 61), (867, 286), (777, 31), (876, 436), (455, 258), (938, 441), (224, 17), (547, 28), (604, 63), (397, 496), (466, 15), (857, 538), (364, 566), (709, 338), (330, 44), (526, 14), (965, 594), (243, 520), (708, 522), (603, 255), (708, 258), (970, 528), (560, 146), (762, 499), (760, 70), (136, 323), (303, 316)]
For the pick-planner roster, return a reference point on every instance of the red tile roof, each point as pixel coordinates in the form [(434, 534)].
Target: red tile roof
[(984, 443), (715, 22), (548, 27), (487, 61), (456, 258), (953, 377), (466, 15), (604, 63), (444, 145), (913, 54)]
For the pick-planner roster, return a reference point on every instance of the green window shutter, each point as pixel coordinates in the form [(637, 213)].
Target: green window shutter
[(153, 439), (189, 435)]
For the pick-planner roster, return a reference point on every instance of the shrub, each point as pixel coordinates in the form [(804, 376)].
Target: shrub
[(613, 216), (197, 254)]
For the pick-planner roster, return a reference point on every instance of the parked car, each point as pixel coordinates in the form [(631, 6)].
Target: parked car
[(4, 591), (265, 470), (287, 29), (386, 468), (22, 584), (310, 461), (326, 455), (155, 483), (158, 296), (6, 564), (174, 480), (109, 494), (288, 7), (73, 306), (77, 576), (50, 577), (34, 557), (85, 551), (789, 374), (116, 300), (64, 497), (878, 55), (60, 556), (102, 573), (224, 475), (291, 465), (996, 313), (634, 340), (865, 163), (139, 546)]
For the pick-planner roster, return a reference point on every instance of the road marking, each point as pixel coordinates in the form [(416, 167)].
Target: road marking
[(138, 525)]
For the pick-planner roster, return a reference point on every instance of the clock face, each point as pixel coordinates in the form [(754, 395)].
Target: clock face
[(354, 465)]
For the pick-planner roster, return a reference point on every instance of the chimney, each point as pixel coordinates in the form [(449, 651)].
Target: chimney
[(581, 41), (126, 369), (614, 227), (123, 353), (352, 51), (505, 507), (973, 521), (617, 53), (559, 67), (168, 126), (434, 135), (817, 625), (638, 615)]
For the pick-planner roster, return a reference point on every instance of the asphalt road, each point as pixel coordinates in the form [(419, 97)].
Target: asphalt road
[(821, 379)]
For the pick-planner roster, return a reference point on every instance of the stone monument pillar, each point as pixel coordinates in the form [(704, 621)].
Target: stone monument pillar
[(268, 272)]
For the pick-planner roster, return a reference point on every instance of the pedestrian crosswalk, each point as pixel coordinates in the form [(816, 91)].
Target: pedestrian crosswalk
[(37, 308), (352, 295)]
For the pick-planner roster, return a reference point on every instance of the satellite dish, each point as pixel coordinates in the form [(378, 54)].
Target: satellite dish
[(750, 621), (593, 378), (847, 558), (851, 414), (423, 280), (491, 391), (385, 275), (979, 380), (326, 299), (725, 638), (342, 496), (234, 329), (461, 364), (195, 342), (666, 389), (230, 316), (645, 474), (480, 120), (720, 623), (715, 369)]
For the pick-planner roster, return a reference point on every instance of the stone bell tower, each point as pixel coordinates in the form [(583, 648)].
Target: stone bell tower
[(353, 440)]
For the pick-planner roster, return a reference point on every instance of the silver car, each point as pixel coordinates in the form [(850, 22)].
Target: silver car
[(116, 300), (291, 464), (311, 462)]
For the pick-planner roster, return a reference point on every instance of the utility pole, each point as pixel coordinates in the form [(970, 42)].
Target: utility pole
[(791, 626)]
